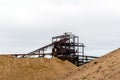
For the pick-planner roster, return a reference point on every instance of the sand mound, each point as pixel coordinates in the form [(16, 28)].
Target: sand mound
[(105, 68), (33, 68)]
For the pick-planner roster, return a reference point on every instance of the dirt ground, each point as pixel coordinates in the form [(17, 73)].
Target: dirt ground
[(33, 68), (104, 68)]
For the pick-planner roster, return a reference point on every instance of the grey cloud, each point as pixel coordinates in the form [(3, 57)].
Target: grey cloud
[(27, 25)]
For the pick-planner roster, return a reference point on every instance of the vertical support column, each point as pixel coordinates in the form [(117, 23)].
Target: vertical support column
[(65, 45), (43, 53), (77, 42), (83, 51), (74, 44)]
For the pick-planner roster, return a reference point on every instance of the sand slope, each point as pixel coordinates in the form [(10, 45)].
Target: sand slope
[(33, 68), (105, 68)]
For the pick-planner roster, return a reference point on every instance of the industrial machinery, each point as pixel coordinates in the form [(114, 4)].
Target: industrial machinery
[(64, 47)]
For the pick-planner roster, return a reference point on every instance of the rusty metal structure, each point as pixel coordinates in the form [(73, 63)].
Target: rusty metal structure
[(64, 47)]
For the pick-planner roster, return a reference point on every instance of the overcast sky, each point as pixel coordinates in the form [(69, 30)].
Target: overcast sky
[(26, 25)]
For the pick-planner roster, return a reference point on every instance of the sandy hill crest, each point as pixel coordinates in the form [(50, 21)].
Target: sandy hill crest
[(33, 68), (106, 67)]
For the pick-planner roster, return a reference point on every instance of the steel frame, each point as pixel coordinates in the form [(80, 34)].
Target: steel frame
[(64, 47)]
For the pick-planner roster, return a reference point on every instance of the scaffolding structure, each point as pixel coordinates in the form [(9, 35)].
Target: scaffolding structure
[(67, 46), (64, 47)]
